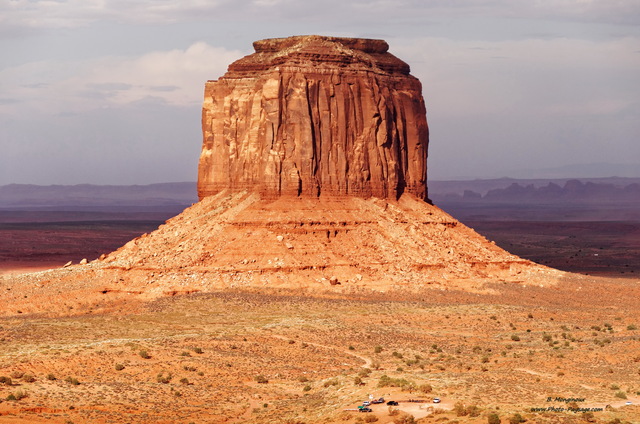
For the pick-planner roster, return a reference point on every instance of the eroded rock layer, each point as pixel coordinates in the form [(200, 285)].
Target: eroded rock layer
[(315, 115), (322, 244)]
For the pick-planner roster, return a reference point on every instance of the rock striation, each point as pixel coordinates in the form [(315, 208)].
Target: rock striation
[(312, 115)]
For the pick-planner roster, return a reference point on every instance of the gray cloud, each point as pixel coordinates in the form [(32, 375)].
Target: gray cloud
[(165, 88), (30, 14), (110, 86), (8, 101)]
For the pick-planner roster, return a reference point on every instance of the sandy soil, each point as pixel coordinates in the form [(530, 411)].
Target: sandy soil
[(114, 341), (506, 352)]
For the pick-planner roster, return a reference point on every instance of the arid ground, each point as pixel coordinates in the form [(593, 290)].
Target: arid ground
[(562, 353)]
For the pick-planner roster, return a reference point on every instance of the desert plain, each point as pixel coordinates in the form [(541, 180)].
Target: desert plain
[(567, 351)]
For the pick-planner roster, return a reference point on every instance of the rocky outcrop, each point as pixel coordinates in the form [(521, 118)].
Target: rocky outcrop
[(314, 115)]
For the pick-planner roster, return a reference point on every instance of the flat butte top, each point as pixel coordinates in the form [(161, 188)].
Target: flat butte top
[(320, 52)]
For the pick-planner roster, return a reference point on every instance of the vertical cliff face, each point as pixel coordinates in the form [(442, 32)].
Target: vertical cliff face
[(313, 115)]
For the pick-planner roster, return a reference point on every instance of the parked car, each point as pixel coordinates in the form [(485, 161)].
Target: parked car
[(366, 403), (436, 400), (392, 403), (379, 400), (365, 410)]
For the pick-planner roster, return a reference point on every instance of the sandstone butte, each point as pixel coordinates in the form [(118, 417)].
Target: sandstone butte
[(315, 115), (312, 177)]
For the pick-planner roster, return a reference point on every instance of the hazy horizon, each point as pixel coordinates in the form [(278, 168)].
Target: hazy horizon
[(110, 92)]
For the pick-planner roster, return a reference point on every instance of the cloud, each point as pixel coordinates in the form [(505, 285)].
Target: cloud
[(175, 77), (554, 100), (8, 101), (545, 76), (40, 14)]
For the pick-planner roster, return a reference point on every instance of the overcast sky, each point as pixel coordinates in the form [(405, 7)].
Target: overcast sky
[(110, 91)]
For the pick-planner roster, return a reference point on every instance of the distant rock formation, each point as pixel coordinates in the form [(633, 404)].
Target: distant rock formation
[(572, 192), (312, 115)]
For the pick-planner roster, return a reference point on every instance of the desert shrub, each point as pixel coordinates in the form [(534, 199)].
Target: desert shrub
[(185, 353), (198, 350), (261, 379), (493, 418), (144, 354), (377, 349), (404, 418), (403, 383), (306, 388), (119, 367), (614, 387), (484, 359), (17, 375), (184, 381), (397, 355), (621, 395), (51, 377), (332, 382), (189, 368), (459, 409), (6, 380), (303, 379), (364, 372), (20, 394), (352, 348), (164, 379), (358, 381), (473, 411), (516, 419), (72, 380), (631, 327), (515, 337), (28, 378), (425, 388), (546, 337), (370, 419)]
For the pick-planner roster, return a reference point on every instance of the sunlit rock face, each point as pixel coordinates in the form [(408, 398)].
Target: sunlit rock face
[(312, 115)]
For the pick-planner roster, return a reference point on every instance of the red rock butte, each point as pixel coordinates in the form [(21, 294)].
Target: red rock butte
[(313, 115), (312, 176)]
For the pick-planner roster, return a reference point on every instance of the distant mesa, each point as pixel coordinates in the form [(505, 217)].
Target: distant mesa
[(313, 115)]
